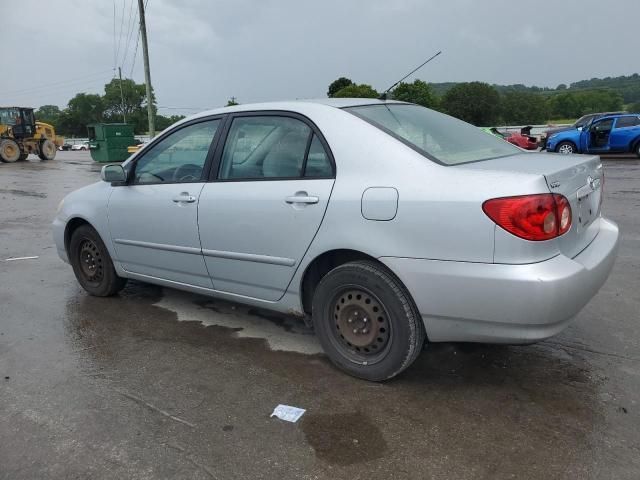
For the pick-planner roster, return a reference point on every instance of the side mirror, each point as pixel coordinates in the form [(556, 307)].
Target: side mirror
[(114, 174)]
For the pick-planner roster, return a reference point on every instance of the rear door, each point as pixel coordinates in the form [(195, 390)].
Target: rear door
[(625, 131), (266, 203)]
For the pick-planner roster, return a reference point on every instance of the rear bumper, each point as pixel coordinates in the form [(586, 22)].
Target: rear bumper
[(498, 303)]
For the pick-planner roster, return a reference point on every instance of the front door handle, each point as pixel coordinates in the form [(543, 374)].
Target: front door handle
[(301, 197), (184, 197)]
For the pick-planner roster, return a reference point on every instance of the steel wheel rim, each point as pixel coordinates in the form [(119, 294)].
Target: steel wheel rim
[(565, 149), (91, 262), (360, 326)]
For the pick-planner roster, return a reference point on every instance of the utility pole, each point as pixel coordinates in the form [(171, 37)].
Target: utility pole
[(147, 73), (124, 115)]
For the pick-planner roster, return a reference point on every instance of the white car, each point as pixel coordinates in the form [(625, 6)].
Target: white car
[(80, 146), (388, 224)]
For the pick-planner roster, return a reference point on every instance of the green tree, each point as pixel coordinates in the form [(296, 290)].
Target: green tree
[(163, 122), (338, 85), (634, 107), (418, 92), (134, 95), (49, 114), (83, 109), (357, 91), (475, 102), (520, 108), (232, 102)]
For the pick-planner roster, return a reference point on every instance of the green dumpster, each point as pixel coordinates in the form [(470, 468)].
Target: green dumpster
[(108, 142)]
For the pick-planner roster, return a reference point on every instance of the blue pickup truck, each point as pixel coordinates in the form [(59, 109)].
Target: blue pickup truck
[(610, 134)]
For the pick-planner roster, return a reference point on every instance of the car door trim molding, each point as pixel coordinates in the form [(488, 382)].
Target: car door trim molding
[(159, 246), (249, 257)]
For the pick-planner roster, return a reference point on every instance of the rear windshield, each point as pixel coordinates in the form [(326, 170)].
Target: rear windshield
[(439, 137)]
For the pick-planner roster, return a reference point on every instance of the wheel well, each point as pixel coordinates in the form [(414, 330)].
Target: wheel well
[(566, 141), (322, 265), (71, 227)]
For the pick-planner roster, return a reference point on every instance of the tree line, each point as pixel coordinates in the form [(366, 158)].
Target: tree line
[(111, 107), (485, 105)]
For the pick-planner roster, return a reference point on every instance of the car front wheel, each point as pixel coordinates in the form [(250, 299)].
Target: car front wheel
[(566, 148), (92, 263), (366, 321)]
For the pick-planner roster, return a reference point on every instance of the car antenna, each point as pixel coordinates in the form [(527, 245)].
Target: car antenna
[(384, 94)]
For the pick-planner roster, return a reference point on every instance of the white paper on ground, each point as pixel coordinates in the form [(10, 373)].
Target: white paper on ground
[(288, 413), (20, 258)]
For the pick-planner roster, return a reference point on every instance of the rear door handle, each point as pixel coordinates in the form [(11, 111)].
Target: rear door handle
[(301, 197), (184, 197)]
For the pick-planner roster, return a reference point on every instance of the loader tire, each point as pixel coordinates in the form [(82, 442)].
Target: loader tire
[(9, 150), (47, 150)]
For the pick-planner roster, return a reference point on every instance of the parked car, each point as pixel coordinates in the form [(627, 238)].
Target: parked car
[(80, 146), (385, 223), (581, 122), (611, 134), (522, 139), (65, 147)]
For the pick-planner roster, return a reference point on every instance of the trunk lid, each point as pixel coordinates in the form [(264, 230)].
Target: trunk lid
[(577, 177)]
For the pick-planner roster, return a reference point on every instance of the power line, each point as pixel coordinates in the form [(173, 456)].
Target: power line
[(124, 6), (130, 26), (135, 52), (61, 82)]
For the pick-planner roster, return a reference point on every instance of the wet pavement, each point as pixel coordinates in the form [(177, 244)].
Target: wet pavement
[(156, 383)]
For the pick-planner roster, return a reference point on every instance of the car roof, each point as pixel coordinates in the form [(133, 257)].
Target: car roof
[(618, 115), (291, 104)]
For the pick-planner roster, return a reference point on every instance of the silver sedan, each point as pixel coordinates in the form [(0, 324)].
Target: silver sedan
[(385, 223)]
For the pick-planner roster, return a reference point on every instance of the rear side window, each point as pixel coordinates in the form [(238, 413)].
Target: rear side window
[(623, 122), (439, 137), (272, 147)]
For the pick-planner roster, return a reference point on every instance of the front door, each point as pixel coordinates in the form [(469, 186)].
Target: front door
[(259, 216), (154, 219), (597, 136)]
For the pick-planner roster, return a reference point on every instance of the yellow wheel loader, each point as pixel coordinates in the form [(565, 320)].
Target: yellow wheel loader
[(21, 134)]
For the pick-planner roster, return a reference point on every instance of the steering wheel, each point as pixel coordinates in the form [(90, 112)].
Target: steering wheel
[(187, 173)]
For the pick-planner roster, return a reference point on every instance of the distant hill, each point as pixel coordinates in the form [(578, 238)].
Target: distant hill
[(627, 86)]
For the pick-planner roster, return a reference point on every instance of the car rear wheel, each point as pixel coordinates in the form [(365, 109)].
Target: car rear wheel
[(638, 149), (47, 150), (92, 263), (9, 150), (366, 321), (566, 148)]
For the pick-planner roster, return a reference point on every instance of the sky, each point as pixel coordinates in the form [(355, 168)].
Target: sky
[(202, 52)]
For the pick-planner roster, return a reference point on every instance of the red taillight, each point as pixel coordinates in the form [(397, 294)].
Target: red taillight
[(532, 217)]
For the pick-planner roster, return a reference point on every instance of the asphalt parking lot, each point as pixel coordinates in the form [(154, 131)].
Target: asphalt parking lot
[(155, 383)]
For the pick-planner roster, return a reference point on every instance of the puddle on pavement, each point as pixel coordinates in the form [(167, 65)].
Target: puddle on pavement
[(344, 438), (535, 405), (281, 332)]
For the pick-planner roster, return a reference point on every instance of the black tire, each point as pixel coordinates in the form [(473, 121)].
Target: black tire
[(637, 150), (385, 344), (92, 263), (47, 150), (566, 148), (9, 150)]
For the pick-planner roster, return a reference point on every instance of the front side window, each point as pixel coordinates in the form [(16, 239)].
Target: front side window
[(439, 137), (179, 157), (270, 146)]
